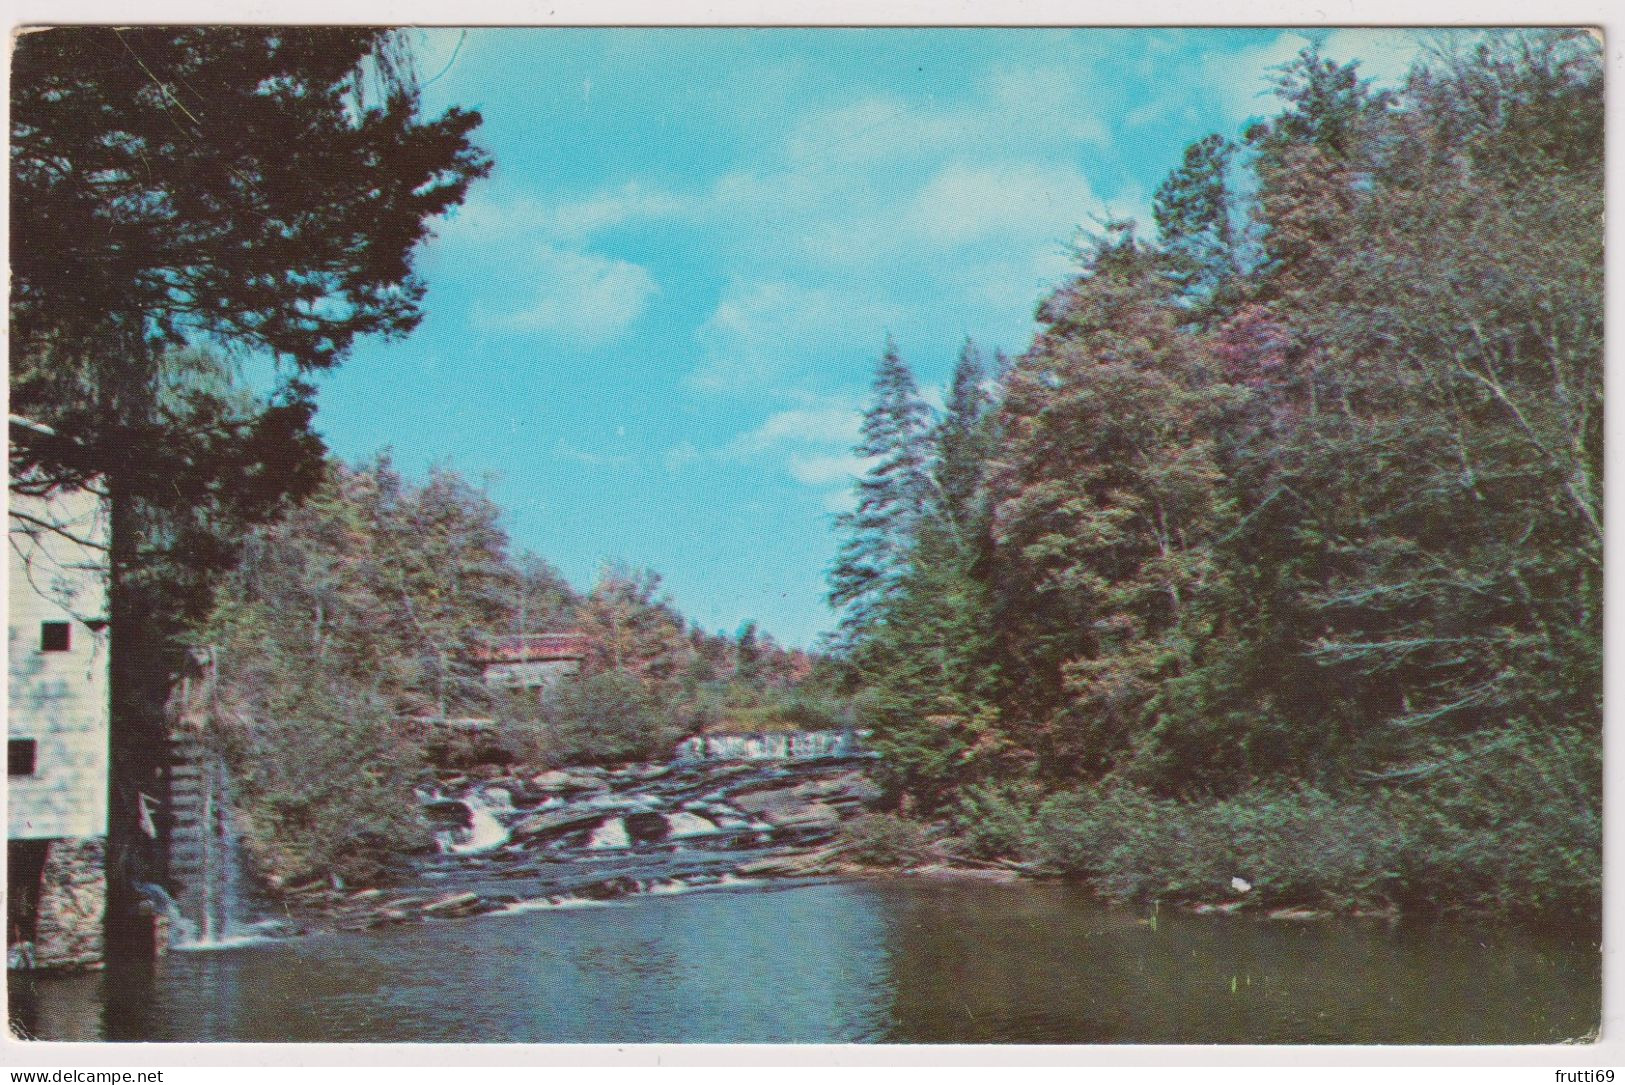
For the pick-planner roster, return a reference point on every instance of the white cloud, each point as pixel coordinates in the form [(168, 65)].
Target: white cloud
[(965, 203), (812, 444), (569, 453), (827, 470), (680, 456), (578, 296), (1050, 98), (803, 426), (768, 335), (627, 204), (490, 220)]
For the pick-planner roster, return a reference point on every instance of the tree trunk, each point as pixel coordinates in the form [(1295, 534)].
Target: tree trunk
[(137, 743)]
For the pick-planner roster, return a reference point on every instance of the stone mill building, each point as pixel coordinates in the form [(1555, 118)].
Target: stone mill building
[(57, 727)]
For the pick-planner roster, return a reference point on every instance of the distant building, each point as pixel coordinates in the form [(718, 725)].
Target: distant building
[(57, 726), (531, 661)]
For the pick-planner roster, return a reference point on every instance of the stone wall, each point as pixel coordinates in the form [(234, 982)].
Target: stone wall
[(73, 897), (531, 674)]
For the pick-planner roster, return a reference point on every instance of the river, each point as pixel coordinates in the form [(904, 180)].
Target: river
[(831, 962)]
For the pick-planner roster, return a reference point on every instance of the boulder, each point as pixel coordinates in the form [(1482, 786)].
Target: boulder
[(759, 802), (646, 826), (448, 814), (950, 872), (785, 808), (456, 904), (556, 822), (1298, 914), (608, 889), (772, 867), (847, 787), (559, 781), (1229, 907), (809, 815), (388, 917), (551, 780)]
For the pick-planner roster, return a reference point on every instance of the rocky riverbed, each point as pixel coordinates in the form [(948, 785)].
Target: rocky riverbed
[(576, 836)]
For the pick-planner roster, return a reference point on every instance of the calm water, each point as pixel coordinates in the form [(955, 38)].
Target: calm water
[(883, 962)]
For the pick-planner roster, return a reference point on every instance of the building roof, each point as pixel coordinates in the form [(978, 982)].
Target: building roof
[(532, 648)]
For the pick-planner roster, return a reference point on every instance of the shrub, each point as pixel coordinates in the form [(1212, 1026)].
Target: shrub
[(995, 820), (1516, 830), (1297, 846), (303, 818), (885, 840), (604, 718)]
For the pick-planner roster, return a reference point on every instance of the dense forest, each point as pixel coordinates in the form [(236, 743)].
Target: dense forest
[(352, 626), (1278, 554)]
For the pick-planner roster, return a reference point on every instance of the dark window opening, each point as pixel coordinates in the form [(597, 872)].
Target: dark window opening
[(54, 637), (21, 754)]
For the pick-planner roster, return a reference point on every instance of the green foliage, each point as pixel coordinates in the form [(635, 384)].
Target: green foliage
[(1294, 847), (885, 840), (351, 633), (1515, 831), (1280, 547), (1198, 223), (607, 717), (892, 495), (740, 708), (996, 819), (262, 189), (243, 183), (306, 820), (349, 618), (928, 666)]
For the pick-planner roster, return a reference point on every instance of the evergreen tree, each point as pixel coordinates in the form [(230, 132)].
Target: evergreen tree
[(893, 496), (931, 674), (964, 441), (1198, 224)]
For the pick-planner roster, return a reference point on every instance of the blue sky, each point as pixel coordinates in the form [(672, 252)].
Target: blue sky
[(651, 331)]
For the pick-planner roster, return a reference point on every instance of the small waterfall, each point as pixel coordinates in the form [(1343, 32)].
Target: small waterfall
[(485, 831), (773, 746), (185, 931), (611, 834), (206, 862), (682, 823)]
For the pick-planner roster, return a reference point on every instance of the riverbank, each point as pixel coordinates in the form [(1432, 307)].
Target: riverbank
[(1468, 844), (509, 838)]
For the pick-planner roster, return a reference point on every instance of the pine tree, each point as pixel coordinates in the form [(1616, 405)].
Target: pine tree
[(963, 442), (893, 496), (1197, 224)]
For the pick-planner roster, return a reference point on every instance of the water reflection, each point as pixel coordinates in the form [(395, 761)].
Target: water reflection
[(1110, 977), (892, 962)]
